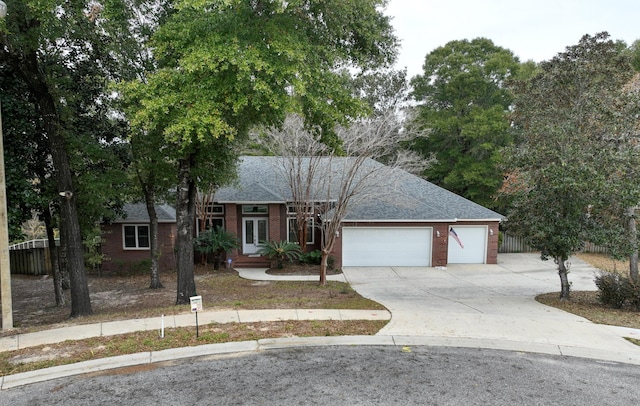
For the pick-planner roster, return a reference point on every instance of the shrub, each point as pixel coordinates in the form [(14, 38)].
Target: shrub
[(217, 242), (611, 288), (281, 250), (311, 258), (632, 293)]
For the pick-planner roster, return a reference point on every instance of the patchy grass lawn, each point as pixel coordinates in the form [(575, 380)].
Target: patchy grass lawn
[(68, 352), (120, 297)]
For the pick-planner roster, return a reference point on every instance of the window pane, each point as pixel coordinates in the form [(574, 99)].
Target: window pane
[(293, 230), (248, 231), (262, 231), (143, 237), (130, 236), (310, 231)]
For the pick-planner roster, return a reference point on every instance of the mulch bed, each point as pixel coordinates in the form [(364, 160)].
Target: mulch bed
[(300, 269)]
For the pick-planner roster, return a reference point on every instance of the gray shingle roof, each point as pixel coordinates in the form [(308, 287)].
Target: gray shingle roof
[(137, 213), (397, 195)]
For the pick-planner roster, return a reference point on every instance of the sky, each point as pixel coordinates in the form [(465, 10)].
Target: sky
[(532, 30)]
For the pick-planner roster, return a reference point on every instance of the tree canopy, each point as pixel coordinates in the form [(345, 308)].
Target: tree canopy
[(464, 102), (62, 56), (562, 171), (224, 66)]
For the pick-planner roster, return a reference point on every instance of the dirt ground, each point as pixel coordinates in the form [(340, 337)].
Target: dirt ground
[(115, 297)]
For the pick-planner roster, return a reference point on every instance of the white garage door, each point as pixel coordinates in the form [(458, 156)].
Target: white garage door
[(386, 246), (474, 245)]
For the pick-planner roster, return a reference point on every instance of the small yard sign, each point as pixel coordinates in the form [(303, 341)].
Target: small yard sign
[(196, 306), (196, 303)]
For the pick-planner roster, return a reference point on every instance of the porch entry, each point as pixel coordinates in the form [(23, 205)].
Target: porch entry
[(254, 233)]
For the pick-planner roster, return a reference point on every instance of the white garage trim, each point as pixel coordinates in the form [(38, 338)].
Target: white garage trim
[(474, 245), (386, 246)]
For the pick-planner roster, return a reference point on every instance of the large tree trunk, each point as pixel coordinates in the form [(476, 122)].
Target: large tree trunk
[(80, 299), (633, 240), (185, 217), (53, 258), (153, 231), (564, 280), (62, 258), (71, 239)]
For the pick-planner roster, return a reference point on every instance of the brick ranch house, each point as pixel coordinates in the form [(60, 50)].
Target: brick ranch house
[(403, 221)]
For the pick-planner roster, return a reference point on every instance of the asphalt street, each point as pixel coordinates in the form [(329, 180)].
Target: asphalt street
[(359, 375)]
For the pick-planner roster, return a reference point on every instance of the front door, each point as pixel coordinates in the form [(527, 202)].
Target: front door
[(254, 234)]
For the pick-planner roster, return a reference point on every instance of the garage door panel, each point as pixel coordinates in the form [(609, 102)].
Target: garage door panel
[(474, 245), (382, 246)]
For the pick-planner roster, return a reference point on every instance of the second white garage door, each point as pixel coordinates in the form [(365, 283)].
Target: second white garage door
[(474, 245), (386, 246)]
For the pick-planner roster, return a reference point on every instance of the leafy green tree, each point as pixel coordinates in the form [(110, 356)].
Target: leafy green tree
[(151, 162), (63, 54), (383, 90), (561, 174), (635, 55), (227, 65), (464, 102), (22, 154)]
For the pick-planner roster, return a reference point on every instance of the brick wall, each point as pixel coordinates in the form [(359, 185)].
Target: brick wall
[(117, 259)]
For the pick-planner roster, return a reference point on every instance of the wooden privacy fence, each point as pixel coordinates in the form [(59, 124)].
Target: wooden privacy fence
[(511, 244), (30, 258)]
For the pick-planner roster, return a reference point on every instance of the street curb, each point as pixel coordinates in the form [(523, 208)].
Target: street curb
[(243, 347)]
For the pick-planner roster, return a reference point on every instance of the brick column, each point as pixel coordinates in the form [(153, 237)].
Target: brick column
[(440, 245), (492, 243), (275, 222), (231, 223)]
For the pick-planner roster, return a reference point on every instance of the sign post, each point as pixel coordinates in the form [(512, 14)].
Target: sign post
[(196, 306)]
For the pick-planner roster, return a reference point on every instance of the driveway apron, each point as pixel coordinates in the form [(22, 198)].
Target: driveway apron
[(490, 302)]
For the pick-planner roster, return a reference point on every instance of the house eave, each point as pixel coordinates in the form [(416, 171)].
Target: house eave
[(141, 221), (247, 202), (489, 220), (266, 202)]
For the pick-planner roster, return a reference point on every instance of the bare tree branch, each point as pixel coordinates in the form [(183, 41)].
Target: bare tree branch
[(327, 185)]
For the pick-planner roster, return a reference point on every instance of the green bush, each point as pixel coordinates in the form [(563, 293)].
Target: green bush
[(612, 289), (281, 250), (311, 258), (632, 293), (216, 242)]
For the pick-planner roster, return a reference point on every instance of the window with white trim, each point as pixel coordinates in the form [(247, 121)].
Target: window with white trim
[(136, 237)]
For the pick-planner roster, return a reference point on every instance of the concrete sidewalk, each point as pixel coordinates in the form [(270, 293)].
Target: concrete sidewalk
[(82, 331)]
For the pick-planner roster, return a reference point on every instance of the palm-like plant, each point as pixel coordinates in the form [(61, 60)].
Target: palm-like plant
[(217, 242), (281, 250)]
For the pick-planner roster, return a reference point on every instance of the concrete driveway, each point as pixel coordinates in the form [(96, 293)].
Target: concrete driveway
[(491, 303)]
